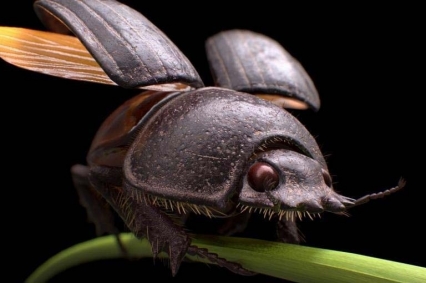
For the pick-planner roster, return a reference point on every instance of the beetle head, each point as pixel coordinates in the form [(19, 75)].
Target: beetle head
[(289, 184)]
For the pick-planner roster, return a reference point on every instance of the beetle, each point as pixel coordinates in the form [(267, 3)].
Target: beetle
[(179, 148)]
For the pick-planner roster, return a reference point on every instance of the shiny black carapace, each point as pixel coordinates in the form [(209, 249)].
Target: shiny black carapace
[(179, 148)]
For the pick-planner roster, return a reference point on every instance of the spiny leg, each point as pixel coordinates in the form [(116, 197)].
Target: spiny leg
[(141, 217), (231, 226), (99, 212), (287, 231), (214, 258), (149, 221), (235, 224)]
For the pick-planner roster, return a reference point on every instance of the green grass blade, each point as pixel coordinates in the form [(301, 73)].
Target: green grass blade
[(306, 264), (291, 262)]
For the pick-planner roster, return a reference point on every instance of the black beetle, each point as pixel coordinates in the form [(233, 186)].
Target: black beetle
[(181, 148)]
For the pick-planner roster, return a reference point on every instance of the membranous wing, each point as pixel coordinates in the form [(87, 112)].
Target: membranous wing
[(50, 53)]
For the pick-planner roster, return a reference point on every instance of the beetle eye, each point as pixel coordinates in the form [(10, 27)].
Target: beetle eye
[(262, 177), (327, 178)]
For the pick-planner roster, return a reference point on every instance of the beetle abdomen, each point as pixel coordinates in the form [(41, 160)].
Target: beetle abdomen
[(195, 148)]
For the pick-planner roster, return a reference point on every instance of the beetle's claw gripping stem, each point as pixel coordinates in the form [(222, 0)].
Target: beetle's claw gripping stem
[(214, 258), (121, 246), (367, 198)]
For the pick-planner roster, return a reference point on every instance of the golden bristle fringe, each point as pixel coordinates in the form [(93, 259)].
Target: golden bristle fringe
[(176, 206), (185, 207), (290, 215)]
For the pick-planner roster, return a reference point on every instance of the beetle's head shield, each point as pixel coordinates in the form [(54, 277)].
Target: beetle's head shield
[(289, 184)]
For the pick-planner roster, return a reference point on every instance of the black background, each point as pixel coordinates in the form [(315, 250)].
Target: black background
[(365, 62)]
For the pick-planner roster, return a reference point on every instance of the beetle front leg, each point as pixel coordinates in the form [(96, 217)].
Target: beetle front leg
[(148, 221), (142, 218), (287, 231), (99, 212), (235, 224)]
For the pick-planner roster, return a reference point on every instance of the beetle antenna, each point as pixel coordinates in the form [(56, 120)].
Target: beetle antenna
[(367, 198)]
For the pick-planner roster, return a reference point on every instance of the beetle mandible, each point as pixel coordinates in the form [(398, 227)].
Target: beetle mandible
[(180, 148)]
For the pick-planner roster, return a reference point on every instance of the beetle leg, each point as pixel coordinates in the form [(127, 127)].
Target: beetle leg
[(214, 258), (287, 231), (99, 212), (235, 224), (142, 218)]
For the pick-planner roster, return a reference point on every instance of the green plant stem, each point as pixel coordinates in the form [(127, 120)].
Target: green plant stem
[(291, 262)]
